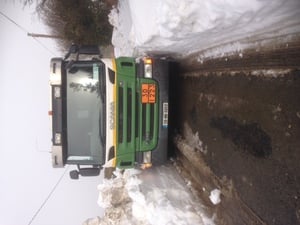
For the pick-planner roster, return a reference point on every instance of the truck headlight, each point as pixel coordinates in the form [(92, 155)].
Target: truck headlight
[(57, 138), (148, 67), (57, 92)]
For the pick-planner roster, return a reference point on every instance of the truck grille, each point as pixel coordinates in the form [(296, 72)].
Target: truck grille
[(126, 115), (137, 122)]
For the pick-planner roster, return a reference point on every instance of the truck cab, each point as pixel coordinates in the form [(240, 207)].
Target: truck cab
[(108, 112)]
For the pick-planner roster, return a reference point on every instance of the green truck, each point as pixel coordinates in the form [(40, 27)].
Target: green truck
[(108, 112)]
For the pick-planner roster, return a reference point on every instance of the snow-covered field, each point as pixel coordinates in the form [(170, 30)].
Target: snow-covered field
[(210, 28), (213, 27)]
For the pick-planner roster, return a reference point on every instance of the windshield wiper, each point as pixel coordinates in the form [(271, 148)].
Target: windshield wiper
[(102, 122), (102, 125), (101, 88)]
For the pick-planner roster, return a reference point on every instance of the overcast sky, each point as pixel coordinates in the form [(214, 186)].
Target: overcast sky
[(26, 173)]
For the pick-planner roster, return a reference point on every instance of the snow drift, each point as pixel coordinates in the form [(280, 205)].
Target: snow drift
[(185, 27), (156, 196)]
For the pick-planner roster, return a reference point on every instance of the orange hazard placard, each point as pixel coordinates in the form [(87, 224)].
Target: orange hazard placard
[(148, 93)]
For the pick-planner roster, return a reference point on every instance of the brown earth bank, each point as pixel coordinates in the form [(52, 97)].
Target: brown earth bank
[(246, 110)]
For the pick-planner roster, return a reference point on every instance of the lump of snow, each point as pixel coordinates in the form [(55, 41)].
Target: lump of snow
[(112, 193), (152, 197), (193, 139), (92, 221), (215, 196)]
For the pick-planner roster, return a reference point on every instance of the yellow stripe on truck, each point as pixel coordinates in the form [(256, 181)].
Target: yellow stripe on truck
[(115, 113)]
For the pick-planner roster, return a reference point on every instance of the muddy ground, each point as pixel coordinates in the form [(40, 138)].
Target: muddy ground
[(246, 110)]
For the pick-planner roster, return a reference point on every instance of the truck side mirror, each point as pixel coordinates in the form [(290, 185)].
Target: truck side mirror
[(72, 50), (74, 174), (89, 50), (83, 50), (85, 172)]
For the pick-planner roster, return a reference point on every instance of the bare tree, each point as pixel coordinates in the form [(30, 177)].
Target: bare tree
[(76, 21)]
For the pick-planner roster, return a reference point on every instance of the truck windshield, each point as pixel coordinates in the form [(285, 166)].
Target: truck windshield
[(85, 106)]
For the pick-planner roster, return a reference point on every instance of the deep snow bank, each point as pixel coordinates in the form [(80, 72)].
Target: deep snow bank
[(156, 196), (184, 27)]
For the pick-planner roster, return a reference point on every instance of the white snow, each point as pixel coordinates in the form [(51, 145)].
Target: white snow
[(215, 196), (193, 139), (156, 196), (212, 26)]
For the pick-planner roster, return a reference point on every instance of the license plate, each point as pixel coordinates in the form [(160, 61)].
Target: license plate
[(165, 114), (148, 93)]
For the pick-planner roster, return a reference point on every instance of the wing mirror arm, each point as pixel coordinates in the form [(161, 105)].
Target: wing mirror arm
[(83, 50), (85, 171)]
